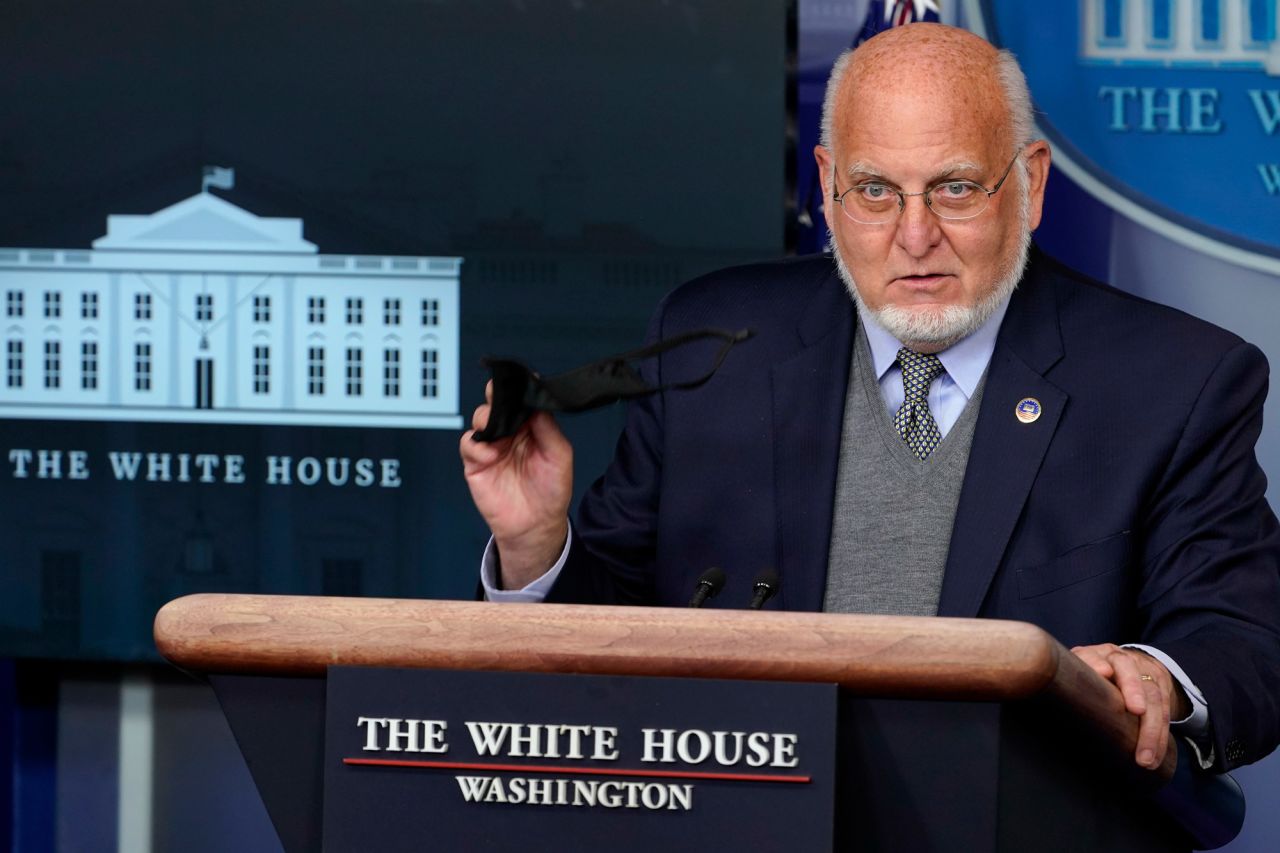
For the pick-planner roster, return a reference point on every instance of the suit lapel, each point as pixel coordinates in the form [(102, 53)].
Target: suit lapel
[(1006, 454), (808, 410)]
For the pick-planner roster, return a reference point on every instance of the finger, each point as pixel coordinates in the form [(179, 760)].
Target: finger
[(480, 417), (1146, 697), (488, 391), (547, 435), (476, 455), (1128, 679), (1153, 728), (1093, 657)]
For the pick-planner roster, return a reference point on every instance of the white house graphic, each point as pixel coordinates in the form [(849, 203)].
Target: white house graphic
[(1224, 34), (203, 312)]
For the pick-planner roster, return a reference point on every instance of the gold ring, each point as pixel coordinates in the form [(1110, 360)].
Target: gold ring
[(1145, 677)]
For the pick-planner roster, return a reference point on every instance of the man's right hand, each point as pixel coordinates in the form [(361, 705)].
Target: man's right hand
[(522, 486)]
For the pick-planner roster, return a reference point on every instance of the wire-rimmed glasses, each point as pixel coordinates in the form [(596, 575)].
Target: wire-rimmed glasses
[(879, 203)]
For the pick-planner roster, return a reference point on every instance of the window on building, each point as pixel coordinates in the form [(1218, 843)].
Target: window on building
[(1210, 20), (1113, 19), (315, 371), (315, 309), (13, 303), (52, 304), (1161, 21), (142, 306), (391, 373), (53, 364), (355, 311), (355, 371), (431, 312), (89, 365), (13, 364), (142, 367), (391, 312), (89, 305), (1262, 21), (262, 309), (430, 373), (204, 307), (261, 370)]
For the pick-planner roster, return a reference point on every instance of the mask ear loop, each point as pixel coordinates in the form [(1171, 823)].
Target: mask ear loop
[(518, 391), (729, 338), (611, 379)]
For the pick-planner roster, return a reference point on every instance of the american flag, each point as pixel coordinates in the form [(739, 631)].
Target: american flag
[(219, 177), (883, 14)]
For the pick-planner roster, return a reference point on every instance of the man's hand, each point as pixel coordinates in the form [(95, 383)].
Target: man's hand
[(1149, 692), (522, 486)]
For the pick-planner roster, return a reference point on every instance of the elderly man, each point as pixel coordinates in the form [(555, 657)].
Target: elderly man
[(942, 421)]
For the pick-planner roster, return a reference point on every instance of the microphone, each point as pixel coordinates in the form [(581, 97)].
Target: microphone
[(709, 583), (765, 587)]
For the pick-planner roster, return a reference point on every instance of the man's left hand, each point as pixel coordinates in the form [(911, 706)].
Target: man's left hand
[(1149, 691)]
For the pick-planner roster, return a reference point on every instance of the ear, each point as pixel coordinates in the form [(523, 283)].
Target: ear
[(1038, 157), (826, 172)]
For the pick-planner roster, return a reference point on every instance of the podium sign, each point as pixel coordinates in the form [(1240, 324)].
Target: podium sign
[(477, 761)]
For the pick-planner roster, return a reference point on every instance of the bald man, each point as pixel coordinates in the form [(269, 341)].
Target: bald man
[(938, 420)]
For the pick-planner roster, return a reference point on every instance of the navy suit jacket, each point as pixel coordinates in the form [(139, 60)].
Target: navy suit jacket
[(1132, 510)]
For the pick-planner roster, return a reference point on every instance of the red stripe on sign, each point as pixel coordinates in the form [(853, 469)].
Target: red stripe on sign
[(580, 771)]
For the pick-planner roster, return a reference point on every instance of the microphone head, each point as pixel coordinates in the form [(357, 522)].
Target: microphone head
[(764, 587), (713, 579), (766, 578)]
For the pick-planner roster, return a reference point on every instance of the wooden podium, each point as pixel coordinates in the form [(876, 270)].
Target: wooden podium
[(954, 734)]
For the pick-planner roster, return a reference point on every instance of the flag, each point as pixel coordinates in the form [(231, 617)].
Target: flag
[(885, 14), (218, 177)]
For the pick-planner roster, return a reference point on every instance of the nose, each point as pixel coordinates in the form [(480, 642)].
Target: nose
[(919, 229)]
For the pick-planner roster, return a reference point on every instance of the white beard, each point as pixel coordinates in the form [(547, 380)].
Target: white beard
[(933, 328)]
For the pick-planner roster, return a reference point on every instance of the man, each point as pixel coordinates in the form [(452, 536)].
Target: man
[(972, 434)]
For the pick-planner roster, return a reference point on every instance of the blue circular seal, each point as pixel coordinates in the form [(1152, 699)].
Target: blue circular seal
[(1167, 109)]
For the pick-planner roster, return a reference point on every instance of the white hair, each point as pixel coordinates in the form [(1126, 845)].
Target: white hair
[(838, 72), (1017, 98)]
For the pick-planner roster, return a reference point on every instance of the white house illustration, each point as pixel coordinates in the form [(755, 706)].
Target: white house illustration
[(203, 312), (1224, 34)]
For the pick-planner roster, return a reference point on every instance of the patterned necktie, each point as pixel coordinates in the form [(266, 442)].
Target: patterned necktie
[(914, 422)]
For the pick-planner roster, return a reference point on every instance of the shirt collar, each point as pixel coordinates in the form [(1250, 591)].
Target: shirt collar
[(965, 361)]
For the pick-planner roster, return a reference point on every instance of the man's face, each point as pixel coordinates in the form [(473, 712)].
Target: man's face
[(921, 266)]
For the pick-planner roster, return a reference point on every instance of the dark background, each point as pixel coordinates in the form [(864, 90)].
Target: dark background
[(583, 158)]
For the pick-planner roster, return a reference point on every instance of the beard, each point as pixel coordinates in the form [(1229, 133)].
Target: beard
[(933, 328)]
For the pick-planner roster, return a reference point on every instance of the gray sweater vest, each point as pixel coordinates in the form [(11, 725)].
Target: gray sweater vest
[(891, 527)]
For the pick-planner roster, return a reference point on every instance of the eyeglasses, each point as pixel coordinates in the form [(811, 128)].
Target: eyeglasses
[(878, 203)]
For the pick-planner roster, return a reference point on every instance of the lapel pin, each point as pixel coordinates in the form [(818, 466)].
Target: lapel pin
[(1028, 410)]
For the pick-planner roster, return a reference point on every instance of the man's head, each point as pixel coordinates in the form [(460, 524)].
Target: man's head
[(909, 110)]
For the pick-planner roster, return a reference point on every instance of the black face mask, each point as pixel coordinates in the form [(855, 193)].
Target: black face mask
[(518, 392)]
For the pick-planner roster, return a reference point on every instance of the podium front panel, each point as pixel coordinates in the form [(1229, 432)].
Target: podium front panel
[(487, 761)]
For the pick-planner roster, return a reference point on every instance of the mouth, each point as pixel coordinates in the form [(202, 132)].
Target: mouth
[(923, 282)]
